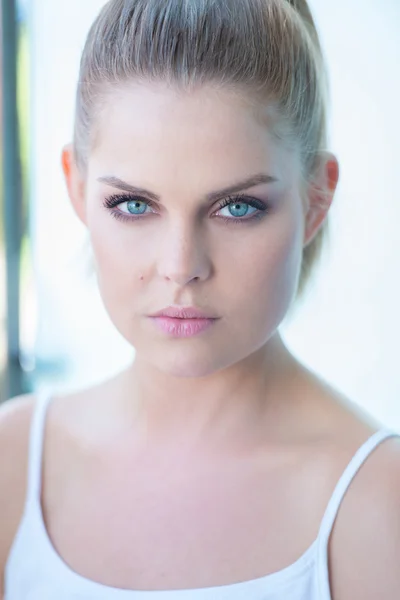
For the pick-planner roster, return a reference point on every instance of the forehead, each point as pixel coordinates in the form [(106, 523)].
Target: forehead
[(156, 127)]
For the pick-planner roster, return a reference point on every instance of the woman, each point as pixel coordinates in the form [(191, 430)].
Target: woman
[(215, 465)]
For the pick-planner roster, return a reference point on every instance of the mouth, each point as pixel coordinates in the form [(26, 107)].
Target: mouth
[(184, 312), (183, 322)]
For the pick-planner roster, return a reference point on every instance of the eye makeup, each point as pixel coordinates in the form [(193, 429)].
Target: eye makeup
[(261, 209)]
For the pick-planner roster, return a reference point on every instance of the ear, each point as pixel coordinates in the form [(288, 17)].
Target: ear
[(320, 195), (75, 182)]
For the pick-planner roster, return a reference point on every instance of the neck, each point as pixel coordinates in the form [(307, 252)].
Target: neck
[(232, 404)]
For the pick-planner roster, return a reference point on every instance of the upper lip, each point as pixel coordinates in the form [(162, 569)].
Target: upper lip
[(183, 312)]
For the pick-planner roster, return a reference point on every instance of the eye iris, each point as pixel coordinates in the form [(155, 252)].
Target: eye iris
[(241, 207), (134, 207)]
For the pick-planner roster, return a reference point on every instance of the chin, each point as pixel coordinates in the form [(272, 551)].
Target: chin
[(186, 369), (184, 364)]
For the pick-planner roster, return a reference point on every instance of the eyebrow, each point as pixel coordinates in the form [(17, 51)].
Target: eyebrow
[(240, 186)]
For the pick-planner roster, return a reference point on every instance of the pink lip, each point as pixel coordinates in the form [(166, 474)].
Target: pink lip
[(182, 327), (183, 312), (179, 321)]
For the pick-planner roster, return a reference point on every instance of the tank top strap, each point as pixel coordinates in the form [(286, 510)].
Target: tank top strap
[(36, 439), (336, 499)]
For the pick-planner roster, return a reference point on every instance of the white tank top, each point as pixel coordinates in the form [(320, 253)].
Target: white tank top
[(34, 570)]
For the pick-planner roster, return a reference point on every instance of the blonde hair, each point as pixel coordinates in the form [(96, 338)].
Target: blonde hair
[(269, 48)]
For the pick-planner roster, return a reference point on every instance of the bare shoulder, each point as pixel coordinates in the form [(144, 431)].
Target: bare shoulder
[(15, 419), (364, 548)]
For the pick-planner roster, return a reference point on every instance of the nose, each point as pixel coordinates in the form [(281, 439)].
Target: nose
[(183, 256)]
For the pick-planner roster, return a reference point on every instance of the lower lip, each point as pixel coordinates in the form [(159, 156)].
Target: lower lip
[(182, 328)]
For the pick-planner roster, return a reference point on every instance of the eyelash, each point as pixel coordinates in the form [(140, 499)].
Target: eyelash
[(113, 201)]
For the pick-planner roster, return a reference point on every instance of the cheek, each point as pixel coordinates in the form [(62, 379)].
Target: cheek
[(119, 257), (270, 275)]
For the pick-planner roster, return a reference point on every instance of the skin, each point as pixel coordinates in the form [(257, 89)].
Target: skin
[(227, 428), (184, 253)]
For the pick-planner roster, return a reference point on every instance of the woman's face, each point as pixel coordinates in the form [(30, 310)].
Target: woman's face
[(236, 255)]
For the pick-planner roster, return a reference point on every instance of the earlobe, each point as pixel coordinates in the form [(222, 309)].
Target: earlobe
[(74, 181), (321, 195), (315, 218)]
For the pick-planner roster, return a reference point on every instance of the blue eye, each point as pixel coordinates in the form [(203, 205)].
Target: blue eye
[(129, 207), (239, 209), (242, 209), (134, 207)]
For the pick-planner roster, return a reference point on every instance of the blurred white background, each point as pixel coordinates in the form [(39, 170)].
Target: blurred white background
[(348, 329)]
